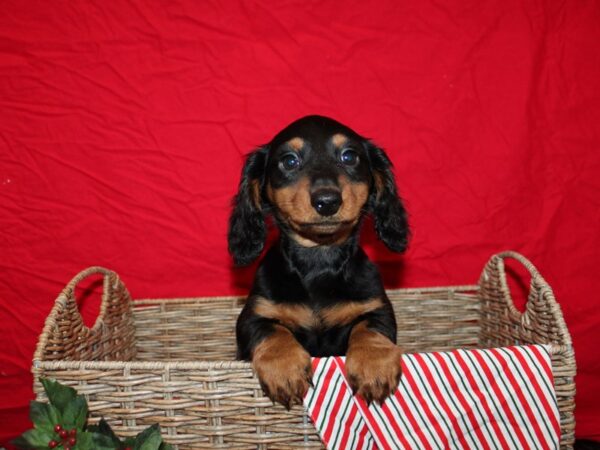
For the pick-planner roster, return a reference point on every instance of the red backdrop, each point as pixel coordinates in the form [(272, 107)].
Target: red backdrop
[(124, 124)]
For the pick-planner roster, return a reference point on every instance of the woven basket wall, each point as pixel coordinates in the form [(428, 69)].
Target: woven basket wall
[(170, 361)]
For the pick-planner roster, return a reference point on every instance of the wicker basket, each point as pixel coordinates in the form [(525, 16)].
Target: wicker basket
[(171, 360)]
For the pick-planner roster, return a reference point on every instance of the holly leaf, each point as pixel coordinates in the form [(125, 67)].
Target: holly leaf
[(58, 394), (44, 415), (149, 439), (85, 440), (102, 442), (33, 439), (104, 429), (21, 442), (128, 442), (96, 441), (75, 413)]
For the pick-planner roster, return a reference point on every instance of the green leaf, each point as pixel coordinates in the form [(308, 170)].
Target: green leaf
[(165, 446), (128, 442), (93, 441), (75, 413), (104, 429), (85, 440), (33, 439), (149, 439), (21, 442), (58, 394), (44, 415)]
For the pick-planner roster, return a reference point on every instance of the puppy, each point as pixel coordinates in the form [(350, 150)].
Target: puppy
[(315, 292)]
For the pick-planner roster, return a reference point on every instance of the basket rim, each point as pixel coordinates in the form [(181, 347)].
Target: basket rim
[(466, 288), (143, 365), (204, 365)]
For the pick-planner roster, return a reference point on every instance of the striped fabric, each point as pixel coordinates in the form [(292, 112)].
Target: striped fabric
[(466, 399)]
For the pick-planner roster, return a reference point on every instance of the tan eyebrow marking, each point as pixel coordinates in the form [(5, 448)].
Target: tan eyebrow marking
[(339, 139), (296, 143)]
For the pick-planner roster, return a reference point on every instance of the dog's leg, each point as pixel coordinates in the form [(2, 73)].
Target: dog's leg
[(283, 367), (372, 363), (264, 337)]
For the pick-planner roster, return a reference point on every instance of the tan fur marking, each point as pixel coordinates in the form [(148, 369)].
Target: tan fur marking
[(372, 364), (378, 182), (339, 139), (283, 367), (255, 189), (294, 201), (344, 313), (292, 316), (303, 241), (294, 206), (296, 144), (354, 197)]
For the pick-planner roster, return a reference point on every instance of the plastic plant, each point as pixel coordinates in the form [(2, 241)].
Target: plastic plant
[(62, 424)]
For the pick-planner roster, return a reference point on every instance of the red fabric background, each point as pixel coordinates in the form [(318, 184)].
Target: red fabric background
[(123, 127)]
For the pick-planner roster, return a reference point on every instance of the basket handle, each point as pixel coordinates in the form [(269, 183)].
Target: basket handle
[(110, 282), (541, 322), (537, 281), (66, 337)]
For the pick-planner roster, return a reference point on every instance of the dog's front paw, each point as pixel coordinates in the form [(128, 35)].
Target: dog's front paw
[(285, 379), (283, 368), (373, 367)]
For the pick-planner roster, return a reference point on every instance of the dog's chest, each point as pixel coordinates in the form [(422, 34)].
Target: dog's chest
[(316, 317), (324, 341)]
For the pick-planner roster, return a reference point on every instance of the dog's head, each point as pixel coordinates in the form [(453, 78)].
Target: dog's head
[(316, 177)]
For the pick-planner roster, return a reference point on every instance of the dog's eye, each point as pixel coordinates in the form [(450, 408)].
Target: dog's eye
[(349, 157), (290, 162)]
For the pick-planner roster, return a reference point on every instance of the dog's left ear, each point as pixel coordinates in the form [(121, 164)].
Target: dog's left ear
[(391, 223), (247, 228)]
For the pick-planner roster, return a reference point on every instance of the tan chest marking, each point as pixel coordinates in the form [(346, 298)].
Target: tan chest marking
[(301, 316), (344, 313), (291, 316)]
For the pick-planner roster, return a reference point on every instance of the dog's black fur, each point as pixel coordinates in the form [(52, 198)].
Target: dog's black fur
[(317, 178)]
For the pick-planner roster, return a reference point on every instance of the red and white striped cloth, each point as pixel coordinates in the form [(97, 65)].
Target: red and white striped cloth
[(466, 399)]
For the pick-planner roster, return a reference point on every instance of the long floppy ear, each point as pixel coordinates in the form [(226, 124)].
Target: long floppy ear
[(247, 228), (391, 223)]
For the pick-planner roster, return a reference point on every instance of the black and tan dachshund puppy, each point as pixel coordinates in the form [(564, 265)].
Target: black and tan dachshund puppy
[(315, 292)]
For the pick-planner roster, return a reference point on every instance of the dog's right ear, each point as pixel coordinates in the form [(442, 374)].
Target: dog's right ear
[(247, 228)]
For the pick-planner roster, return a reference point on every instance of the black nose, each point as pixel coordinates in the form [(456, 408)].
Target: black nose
[(326, 201)]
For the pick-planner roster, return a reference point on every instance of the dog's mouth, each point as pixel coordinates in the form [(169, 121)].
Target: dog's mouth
[(324, 232), (324, 226)]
